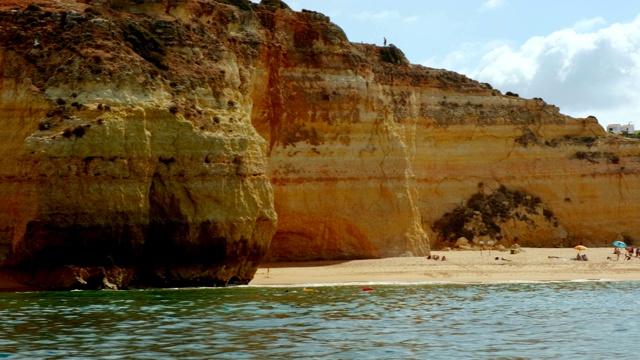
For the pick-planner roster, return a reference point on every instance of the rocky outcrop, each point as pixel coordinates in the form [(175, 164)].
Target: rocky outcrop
[(151, 143), (128, 155)]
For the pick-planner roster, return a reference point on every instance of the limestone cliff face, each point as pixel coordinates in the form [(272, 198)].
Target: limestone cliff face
[(153, 142), (134, 149), (368, 152), (582, 175), (339, 159), (128, 155)]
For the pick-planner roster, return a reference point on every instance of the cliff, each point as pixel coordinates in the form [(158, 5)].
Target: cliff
[(152, 143), (128, 155), (369, 153)]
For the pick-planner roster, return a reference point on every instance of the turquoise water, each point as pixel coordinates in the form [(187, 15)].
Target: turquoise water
[(594, 320)]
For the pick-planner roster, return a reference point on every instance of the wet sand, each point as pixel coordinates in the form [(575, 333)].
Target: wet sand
[(532, 264), (9, 285)]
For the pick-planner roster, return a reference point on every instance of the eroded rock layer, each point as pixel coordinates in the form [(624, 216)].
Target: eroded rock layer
[(128, 155)]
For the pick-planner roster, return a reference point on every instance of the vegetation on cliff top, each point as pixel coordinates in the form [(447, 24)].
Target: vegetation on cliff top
[(275, 3), (248, 5), (242, 4), (393, 55)]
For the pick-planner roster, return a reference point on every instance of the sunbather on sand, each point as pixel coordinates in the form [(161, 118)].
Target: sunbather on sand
[(617, 253)]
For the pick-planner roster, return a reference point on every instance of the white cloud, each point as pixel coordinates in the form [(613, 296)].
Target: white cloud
[(412, 19), (492, 4), (367, 15), (385, 15), (583, 72), (586, 25), (463, 60)]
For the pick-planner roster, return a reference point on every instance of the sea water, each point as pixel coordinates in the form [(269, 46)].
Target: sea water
[(590, 319)]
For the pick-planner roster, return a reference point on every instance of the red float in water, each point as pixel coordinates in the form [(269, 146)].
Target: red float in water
[(367, 288)]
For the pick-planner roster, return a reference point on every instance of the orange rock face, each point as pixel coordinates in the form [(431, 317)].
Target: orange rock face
[(339, 159), (367, 152), (159, 143), (129, 158)]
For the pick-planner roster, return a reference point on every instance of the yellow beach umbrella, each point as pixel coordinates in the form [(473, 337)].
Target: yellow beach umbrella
[(580, 247)]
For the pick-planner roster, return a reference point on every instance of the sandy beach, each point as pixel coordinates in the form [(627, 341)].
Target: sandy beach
[(530, 264)]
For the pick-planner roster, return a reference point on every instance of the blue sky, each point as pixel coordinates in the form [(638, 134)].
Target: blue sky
[(580, 55)]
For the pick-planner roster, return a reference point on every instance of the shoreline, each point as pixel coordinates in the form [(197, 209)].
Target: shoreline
[(464, 267), (7, 284), (423, 283), (529, 265)]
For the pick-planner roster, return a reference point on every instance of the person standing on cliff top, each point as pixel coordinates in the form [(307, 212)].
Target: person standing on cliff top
[(385, 41)]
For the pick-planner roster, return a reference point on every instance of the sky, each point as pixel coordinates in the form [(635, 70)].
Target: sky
[(580, 55)]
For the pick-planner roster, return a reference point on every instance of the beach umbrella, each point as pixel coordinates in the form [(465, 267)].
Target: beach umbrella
[(619, 244), (580, 247)]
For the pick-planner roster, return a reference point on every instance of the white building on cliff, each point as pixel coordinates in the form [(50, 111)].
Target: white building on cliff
[(621, 129)]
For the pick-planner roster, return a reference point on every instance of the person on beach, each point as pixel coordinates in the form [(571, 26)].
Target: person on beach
[(616, 252), (516, 245)]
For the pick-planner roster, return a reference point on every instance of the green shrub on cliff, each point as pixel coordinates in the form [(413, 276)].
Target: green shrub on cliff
[(93, 11), (33, 7), (145, 44), (393, 55), (593, 157), (242, 4), (483, 214), (527, 138), (275, 3)]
